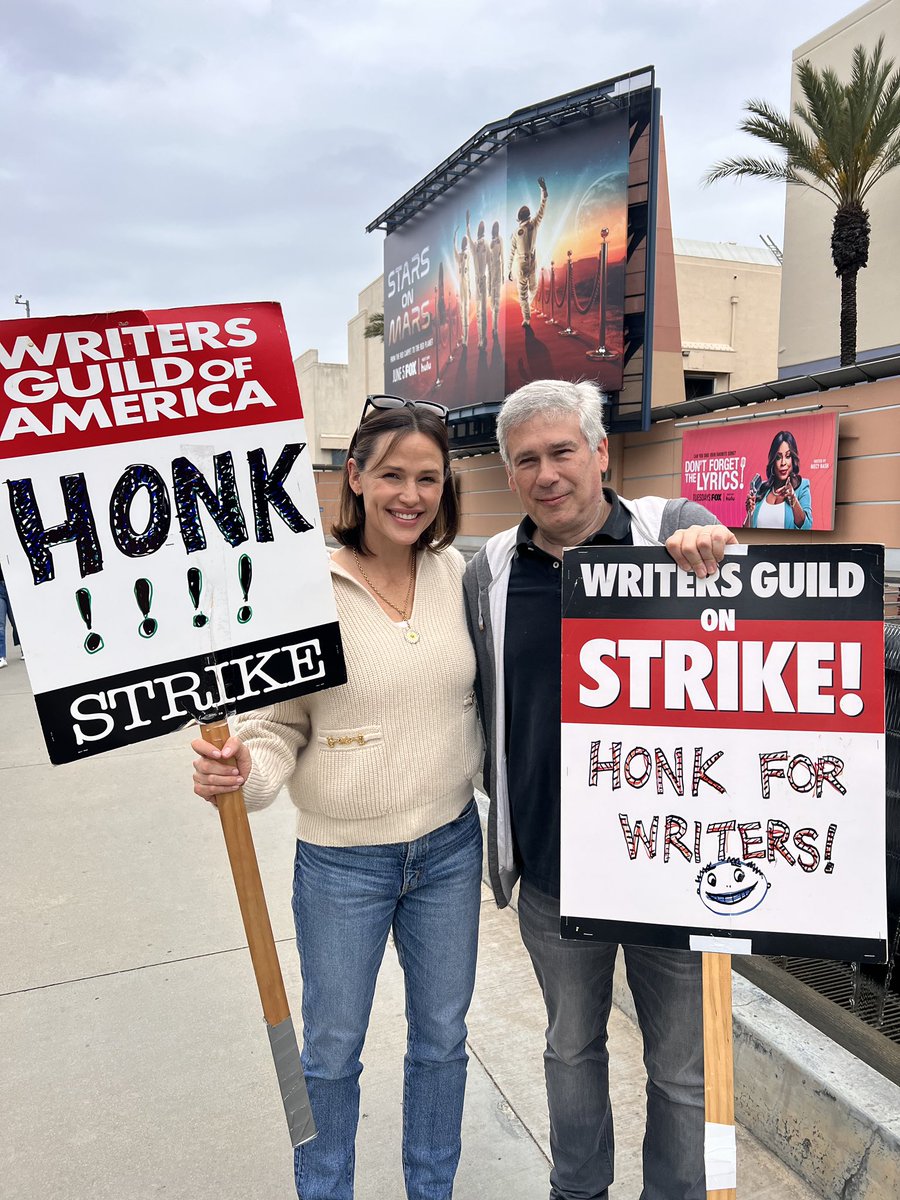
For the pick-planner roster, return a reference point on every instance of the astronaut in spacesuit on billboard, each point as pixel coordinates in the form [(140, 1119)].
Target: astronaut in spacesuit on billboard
[(480, 257), (461, 254), (522, 254), (495, 276)]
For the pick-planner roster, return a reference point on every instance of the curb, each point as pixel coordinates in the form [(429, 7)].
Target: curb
[(831, 1118)]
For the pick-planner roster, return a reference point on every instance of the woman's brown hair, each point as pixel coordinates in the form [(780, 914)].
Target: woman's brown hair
[(349, 528)]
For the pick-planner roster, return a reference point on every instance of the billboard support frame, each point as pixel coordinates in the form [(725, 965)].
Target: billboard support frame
[(497, 135), (635, 96)]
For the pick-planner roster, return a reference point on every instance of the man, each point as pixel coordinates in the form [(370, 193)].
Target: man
[(523, 255), (554, 446)]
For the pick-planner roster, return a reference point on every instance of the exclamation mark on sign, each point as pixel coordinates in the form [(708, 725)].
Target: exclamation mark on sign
[(245, 575), (195, 587), (851, 670), (829, 842), (93, 642), (143, 593)]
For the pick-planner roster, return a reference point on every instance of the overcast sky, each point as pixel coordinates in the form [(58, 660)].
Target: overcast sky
[(190, 151)]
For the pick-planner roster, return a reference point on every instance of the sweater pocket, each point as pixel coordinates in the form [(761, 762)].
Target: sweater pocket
[(351, 773)]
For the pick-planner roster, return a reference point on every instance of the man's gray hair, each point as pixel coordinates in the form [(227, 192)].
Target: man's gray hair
[(545, 397)]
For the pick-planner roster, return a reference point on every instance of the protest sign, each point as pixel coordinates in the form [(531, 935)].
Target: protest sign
[(159, 523), (723, 774)]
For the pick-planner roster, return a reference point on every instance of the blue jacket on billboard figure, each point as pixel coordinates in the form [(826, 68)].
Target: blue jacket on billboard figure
[(523, 256), (781, 500)]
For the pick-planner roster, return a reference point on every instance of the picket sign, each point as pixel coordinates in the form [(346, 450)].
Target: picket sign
[(160, 541), (723, 768)]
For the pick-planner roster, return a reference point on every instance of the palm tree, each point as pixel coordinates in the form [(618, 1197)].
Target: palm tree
[(844, 138), (375, 326)]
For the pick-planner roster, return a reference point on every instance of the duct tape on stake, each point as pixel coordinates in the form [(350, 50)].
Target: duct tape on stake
[(286, 1056), (720, 1157), (721, 945), (720, 1151)]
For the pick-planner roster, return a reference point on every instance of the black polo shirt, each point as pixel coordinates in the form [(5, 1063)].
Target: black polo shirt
[(531, 665)]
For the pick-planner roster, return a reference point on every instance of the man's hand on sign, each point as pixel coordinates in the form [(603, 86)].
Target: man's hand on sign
[(211, 776), (700, 548)]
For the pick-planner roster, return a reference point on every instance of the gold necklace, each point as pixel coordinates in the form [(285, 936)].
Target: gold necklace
[(411, 635)]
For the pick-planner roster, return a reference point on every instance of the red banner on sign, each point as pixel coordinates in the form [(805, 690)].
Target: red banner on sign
[(767, 674), (67, 383)]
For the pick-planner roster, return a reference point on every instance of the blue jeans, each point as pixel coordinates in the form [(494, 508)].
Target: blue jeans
[(346, 901), (6, 611), (576, 979)]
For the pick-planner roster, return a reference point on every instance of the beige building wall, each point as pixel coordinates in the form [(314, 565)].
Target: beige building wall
[(867, 497), (365, 356), (810, 297), (666, 384), (728, 300), (333, 394), (323, 394)]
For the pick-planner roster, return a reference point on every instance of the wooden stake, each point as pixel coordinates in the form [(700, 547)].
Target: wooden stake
[(718, 1053), (266, 967), (269, 981), (247, 882)]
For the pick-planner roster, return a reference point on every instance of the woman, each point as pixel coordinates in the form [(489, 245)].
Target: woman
[(381, 772), (783, 500)]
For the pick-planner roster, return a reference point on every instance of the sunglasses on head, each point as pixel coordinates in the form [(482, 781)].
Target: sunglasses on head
[(385, 402)]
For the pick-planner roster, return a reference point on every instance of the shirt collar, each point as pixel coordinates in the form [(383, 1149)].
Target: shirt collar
[(615, 528)]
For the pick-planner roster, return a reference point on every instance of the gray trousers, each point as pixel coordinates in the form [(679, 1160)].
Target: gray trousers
[(576, 979)]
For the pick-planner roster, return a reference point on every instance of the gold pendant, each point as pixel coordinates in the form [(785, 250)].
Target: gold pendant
[(411, 635)]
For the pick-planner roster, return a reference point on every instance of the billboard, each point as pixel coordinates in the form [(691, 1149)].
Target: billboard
[(773, 474), (159, 522), (723, 751), (515, 273)]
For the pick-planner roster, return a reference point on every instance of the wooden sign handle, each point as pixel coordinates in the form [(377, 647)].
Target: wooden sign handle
[(248, 885), (718, 1051)]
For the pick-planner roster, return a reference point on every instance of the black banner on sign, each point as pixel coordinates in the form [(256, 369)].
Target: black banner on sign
[(774, 583), (86, 719), (678, 937)]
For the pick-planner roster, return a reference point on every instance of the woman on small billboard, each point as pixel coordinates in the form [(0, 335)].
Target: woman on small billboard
[(782, 499)]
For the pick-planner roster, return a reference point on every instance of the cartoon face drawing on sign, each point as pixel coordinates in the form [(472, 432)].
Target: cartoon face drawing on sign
[(732, 887)]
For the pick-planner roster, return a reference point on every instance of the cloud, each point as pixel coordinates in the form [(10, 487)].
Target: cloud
[(166, 153)]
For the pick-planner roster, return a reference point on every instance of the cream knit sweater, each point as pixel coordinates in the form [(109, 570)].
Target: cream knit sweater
[(390, 755)]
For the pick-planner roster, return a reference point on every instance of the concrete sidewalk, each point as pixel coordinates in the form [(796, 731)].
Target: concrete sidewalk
[(135, 1061)]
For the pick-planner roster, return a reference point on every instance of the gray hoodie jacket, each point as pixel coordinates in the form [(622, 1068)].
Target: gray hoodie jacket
[(486, 582)]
